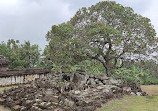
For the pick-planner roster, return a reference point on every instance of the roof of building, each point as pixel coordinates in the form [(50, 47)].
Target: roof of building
[(3, 61), (20, 72)]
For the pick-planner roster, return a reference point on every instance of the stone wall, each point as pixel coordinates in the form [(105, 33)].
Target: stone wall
[(21, 76)]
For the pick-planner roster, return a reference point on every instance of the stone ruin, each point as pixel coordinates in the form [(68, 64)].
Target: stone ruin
[(65, 92)]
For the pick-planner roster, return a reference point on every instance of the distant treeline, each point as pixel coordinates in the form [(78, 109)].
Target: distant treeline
[(20, 55)]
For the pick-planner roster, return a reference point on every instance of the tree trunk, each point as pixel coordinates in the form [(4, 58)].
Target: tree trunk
[(107, 67), (107, 71), (105, 64)]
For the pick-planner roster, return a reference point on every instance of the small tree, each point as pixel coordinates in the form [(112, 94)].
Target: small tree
[(106, 32)]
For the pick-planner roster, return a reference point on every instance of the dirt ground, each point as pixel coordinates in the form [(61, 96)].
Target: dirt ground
[(150, 89)]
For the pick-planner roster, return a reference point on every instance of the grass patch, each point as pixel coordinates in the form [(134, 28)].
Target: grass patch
[(2, 108), (134, 103), (9, 87), (150, 89)]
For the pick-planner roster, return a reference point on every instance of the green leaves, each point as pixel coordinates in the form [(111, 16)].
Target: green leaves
[(20, 55), (63, 31), (141, 72)]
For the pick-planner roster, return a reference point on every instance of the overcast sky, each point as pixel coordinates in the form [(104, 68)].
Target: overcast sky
[(31, 19)]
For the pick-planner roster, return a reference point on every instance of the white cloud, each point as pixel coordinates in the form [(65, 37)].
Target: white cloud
[(6, 2), (152, 14), (31, 19)]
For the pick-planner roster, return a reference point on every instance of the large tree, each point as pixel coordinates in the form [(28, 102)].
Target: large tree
[(107, 32)]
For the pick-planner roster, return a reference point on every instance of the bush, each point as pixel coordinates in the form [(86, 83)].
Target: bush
[(126, 75), (135, 75), (151, 80), (89, 66)]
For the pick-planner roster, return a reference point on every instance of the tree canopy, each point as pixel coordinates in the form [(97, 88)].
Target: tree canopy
[(107, 32), (20, 55)]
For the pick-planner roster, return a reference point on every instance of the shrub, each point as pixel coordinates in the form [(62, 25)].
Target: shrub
[(135, 74)]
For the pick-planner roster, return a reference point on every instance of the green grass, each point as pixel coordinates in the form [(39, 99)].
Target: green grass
[(134, 103), (150, 89), (2, 88)]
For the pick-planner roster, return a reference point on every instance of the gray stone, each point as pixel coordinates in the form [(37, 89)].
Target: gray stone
[(69, 103), (38, 100), (86, 78), (128, 89), (48, 104), (92, 76), (49, 91), (91, 82), (96, 80), (100, 87), (50, 98), (105, 77), (55, 103), (132, 93), (113, 81), (98, 76), (58, 109), (28, 102), (100, 83), (139, 94), (23, 108), (105, 81), (43, 105), (77, 92), (35, 108), (106, 90), (36, 104)]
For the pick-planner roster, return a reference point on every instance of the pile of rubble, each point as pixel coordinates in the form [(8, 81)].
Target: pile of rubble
[(63, 92), (133, 89)]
